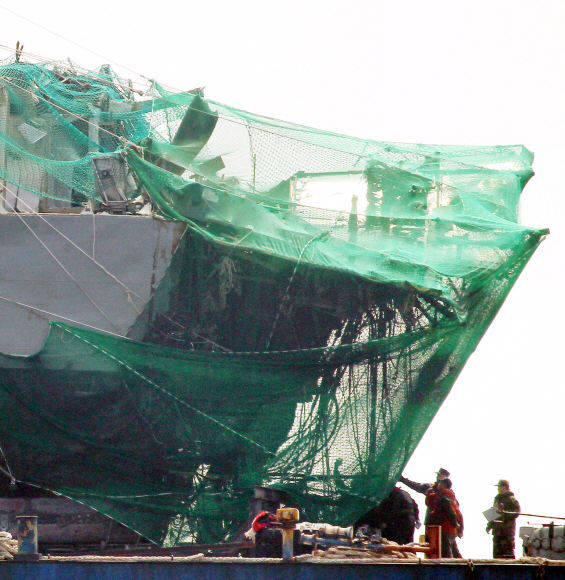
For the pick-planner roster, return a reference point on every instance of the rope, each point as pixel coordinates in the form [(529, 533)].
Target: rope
[(60, 316), (152, 107), (64, 269), (68, 40), (83, 72), (128, 291), (8, 473), (168, 394), (315, 239), (93, 237), (245, 124)]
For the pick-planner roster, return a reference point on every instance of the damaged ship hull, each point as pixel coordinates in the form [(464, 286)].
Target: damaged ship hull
[(95, 271), (197, 300)]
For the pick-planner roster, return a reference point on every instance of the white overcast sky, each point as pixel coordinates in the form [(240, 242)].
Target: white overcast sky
[(484, 72)]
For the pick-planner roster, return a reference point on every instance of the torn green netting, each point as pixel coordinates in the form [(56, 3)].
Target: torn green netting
[(314, 317)]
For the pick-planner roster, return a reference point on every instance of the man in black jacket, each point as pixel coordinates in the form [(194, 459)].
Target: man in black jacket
[(395, 517)]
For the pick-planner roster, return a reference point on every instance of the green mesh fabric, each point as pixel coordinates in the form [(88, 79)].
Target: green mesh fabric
[(324, 299)]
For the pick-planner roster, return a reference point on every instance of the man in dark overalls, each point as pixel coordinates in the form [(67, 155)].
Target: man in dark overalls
[(504, 527)]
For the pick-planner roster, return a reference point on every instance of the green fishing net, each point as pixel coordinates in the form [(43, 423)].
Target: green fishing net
[(323, 300)]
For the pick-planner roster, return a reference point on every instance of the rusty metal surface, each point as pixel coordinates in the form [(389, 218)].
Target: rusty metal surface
[(63, 521)]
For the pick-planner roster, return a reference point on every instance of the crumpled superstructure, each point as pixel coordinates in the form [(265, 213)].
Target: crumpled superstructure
[(326, 295)]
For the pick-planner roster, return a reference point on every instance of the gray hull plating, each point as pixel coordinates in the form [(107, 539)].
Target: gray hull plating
[(95, 271)]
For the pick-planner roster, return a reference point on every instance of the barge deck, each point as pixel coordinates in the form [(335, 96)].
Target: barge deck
[(200, 568)]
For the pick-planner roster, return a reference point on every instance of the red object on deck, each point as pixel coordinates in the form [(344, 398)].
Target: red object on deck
[(434, 535)]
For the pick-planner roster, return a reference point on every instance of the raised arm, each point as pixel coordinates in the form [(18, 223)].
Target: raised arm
[(419, 487)]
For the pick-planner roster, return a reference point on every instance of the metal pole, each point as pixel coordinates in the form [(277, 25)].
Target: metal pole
[(532, 515), (288, 518)]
